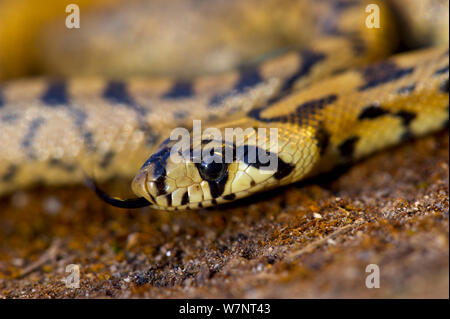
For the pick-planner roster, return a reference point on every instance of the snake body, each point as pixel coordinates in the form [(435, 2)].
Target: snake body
[(53, 131)]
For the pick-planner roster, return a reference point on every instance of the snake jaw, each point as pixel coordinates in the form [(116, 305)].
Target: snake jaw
[(138, 186)]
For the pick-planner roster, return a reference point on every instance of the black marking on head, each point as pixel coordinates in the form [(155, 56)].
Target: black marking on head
[(116, 92), (159, 160), (406, 89), (347, 147), (169, 199), (32, 129), (179, 90), (382, 73), (107, 159), (54, 162), (248, 77), (302, 113), (217, 187), (252, 183), (323, 139), (283, 169), (406, 117), (372, 111), (309, 58), (444, 88), (159, 157), (230, 197), (160, 183), (185, 198), (11, 172), (442, 70), (56, 94), (252, 150)]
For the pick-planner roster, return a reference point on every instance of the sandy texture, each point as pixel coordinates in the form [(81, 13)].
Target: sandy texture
[(313, 239)]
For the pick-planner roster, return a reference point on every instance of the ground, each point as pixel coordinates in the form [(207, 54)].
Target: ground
[(314, 239)]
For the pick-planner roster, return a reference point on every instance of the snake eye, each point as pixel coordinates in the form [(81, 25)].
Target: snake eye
[(212, 171)]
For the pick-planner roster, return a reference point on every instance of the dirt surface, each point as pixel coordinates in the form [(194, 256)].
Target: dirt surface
[(313, 239)]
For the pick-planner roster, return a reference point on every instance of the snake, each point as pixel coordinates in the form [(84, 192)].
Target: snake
[(338, 98)]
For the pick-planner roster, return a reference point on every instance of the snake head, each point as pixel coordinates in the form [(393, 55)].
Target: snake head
[(207, 173)]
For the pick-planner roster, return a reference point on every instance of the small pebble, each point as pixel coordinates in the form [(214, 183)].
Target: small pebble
[(52, 205)]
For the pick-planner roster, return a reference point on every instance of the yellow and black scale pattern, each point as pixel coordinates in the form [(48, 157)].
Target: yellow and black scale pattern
[(341, 119), (54, 131)]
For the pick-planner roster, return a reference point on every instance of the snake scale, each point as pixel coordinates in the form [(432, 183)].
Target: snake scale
[(336, 99)]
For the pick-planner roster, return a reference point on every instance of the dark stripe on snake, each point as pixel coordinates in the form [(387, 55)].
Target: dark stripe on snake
[(116, 92), (179, 90), (54, 162), (169, 200), (11, 172), (229, 197), (283, 169), (323, 139), (302, 112), (160, 183), (406, 117), (179, 115), (217, 188), (442, 70), (382, 73), (308, 58), (406, 89), (107, 159), (372, 111), (444, 88), (185, 198), (79, 116), (10, 118), (247, 78), (56, 94), (32, 129), (347, 147)]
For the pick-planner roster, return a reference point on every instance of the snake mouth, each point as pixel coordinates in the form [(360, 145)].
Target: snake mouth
[(169, 184)]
